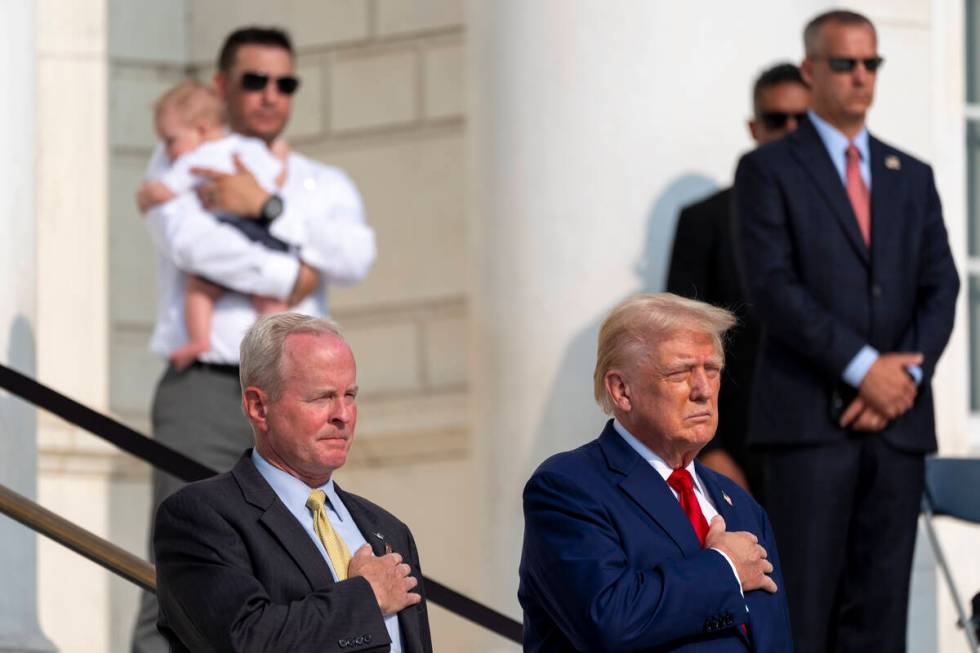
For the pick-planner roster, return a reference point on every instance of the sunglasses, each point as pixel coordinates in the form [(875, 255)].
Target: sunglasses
[(847, 64), (778, 119), (287, 84)]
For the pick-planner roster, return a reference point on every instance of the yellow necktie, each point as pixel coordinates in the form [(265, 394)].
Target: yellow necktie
[(339, 553)]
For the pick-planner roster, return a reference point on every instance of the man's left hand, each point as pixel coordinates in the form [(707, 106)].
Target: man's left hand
[(237, 193), (861, 416)]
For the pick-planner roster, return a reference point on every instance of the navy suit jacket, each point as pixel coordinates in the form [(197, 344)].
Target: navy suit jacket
[(611, 562), (237, 572), (821, 293)]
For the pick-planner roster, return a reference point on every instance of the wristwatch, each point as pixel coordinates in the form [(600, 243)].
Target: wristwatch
[(272, 209)]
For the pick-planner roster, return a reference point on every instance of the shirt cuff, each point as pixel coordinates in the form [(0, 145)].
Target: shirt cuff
[(915, 371), (859, 366), (738, 581), (278, 277)]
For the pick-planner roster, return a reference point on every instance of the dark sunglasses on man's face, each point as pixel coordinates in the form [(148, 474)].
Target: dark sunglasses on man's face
[(777, 119), (287, 84), (847, 64)]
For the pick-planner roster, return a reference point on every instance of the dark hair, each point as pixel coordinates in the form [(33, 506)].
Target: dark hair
[(840, 16), (781, 73), (270, 36)]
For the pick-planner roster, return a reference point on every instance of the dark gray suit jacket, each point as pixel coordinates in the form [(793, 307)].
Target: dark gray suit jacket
[(237, 572)]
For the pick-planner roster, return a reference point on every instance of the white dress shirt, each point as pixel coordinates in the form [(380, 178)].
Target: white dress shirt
[(665, 470), (322, 221), (294, 493)]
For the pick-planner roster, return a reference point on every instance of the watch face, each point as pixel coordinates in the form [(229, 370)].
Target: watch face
[(272, 208)]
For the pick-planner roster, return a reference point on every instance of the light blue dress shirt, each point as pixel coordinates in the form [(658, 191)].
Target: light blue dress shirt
[(293, 493), (836, 144)]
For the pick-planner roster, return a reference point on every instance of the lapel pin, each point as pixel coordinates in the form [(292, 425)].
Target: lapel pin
[(892, 162), (379, 536), (727, 498)]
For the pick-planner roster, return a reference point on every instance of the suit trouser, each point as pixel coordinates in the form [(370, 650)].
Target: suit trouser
[(845, 515), (197, 412)]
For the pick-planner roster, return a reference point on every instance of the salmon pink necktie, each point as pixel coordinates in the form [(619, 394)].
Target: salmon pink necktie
[(857, 192)]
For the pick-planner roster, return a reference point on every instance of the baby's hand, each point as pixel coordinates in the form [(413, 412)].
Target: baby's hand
[(152, 193)]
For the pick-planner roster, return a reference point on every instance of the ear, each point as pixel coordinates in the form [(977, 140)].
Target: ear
[(618, 389), (256, 402), (753, 126), (220, 84), (806, 71)]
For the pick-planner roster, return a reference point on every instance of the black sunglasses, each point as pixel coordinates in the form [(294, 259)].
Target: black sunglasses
[(287, 84), (777, 119), (847, 64)]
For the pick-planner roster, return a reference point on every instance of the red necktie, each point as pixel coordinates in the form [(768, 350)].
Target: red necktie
[(682, 483), (857, 192)]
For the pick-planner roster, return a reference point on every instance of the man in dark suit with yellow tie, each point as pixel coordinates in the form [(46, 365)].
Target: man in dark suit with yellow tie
[(850, 273), (273, 555)]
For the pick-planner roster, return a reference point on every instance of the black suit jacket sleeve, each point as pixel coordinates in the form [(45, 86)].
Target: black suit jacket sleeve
[(207, 588), (938, 286), (783, 303)]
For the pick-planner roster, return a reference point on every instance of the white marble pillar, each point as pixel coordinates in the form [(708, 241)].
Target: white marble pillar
[(19, 630), (590, 123)]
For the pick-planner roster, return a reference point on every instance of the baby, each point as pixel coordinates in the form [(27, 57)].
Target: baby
[(191, 123)]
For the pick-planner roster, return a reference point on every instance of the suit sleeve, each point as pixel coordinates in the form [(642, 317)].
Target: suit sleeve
[(937, 289), (575, 563), (690, 258), (785, 306), (210, 597)]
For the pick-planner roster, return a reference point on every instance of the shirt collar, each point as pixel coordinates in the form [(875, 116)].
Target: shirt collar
[(290, 490), (835, 141), (656, 461)]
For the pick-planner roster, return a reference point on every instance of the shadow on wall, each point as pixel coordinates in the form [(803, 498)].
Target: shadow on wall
[(571, 416), (18, 418)]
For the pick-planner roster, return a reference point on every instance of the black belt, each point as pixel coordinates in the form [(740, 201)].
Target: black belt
[(219, 368)]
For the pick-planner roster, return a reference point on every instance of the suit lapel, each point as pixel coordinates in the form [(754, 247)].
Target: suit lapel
[(885, 201), (374, 533), (648, 490), (812, 155), (281, 524), (719, 498)]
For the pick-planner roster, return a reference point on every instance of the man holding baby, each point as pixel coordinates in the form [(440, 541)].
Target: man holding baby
[(254, 232)]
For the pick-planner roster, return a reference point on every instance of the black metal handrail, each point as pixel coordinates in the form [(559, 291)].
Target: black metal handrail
[(178, 465)]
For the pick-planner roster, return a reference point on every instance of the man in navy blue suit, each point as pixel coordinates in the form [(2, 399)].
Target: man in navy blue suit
[(852, 278), (630, 544)]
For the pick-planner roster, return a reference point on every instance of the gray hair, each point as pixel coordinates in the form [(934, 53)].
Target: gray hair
[(811, 33), (262, 347), (640, 321)]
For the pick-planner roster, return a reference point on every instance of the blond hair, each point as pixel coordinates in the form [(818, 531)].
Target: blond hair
[(260, 354), (192, 102), (636, 324)]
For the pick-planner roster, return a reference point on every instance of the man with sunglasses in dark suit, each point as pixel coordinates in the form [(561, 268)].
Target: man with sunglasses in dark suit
[(850, 273), (703, 266), (317, 212)]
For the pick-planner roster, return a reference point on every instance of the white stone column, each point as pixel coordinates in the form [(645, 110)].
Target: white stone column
[(590, 125), (19, 630)]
